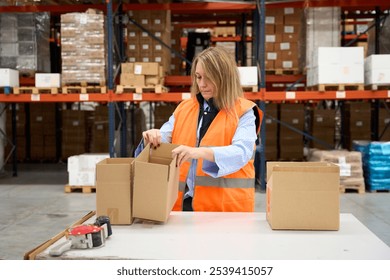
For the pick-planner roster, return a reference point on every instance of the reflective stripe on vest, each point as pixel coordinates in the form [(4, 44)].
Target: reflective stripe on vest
[(222, 182)]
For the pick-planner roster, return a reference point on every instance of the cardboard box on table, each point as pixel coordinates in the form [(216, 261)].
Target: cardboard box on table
[(145, 187), (155, 183), (113, 190), (303, 195)]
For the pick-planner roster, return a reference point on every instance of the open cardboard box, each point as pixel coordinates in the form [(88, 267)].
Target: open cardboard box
[(145, 187), (155, 183), (303, 195)]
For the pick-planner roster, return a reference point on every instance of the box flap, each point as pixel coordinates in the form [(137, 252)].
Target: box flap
[(323, 167), (163, 151)]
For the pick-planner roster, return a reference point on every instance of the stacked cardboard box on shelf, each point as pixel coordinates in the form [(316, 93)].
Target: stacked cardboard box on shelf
[(83, 48), (350, 163), (357, 122), (75, 134), (162, 112), (322, 30), (271, 128), (99, 133), (145, 47), (282, 42), (43, 131), (141, 74), (177, 66), (323, 127), (291, 142)]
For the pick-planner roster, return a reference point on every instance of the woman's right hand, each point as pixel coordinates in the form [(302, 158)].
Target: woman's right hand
[(152, 136)]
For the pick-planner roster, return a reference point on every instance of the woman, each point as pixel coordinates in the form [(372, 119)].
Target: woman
[(216, 130)]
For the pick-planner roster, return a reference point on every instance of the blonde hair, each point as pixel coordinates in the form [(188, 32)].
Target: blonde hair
[(221, 70)]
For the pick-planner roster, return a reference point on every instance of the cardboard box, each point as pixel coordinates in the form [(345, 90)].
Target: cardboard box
[(113, 190), (303, 195), (377, 69), (146, 68), (248, 75), (155, 183), (9, 77), (129, 79), (145, 187), (45, 80)]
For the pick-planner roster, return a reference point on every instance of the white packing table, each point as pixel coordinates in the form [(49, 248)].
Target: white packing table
[(230, 236)]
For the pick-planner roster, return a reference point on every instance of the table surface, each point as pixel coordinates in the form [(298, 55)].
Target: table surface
[(231, 236)]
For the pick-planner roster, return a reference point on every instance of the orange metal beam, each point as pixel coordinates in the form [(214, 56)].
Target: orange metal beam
[(179, 96), (325, 95), (192, 8), (54, 9), (360, 4), (73, 97), (177, 81)]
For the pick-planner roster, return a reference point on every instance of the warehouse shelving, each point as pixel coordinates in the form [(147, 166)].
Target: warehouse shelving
[(195, 9), (262, 95)]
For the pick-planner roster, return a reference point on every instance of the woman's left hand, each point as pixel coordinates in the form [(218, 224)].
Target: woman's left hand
[(183, 154)]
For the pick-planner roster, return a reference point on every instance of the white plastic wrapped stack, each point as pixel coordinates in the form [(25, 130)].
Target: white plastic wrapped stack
[(322, 30), (337, 65), (351, 167), (82, 169), (377, 70), (24, 42)]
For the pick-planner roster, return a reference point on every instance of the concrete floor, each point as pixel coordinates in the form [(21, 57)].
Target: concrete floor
[(34, 207)]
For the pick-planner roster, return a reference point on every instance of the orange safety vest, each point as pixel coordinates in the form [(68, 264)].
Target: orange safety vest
[(233, 192)]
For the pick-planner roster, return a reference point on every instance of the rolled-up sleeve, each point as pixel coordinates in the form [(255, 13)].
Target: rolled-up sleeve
[(229, 159)]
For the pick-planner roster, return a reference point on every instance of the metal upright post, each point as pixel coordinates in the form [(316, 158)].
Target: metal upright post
[(110, 80), (259, 24), (375, 105), (121, 105)]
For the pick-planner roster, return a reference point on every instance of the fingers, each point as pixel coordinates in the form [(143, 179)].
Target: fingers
[(152, 136), (182, 154)]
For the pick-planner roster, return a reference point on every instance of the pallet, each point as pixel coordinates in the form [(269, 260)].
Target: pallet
[(35, 90), (140, 89), (377, 87), (84, 84), (84, 89), (224, 35), (355, 188), (6, 90), (83, 189), (339, 87), (292, 71)]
